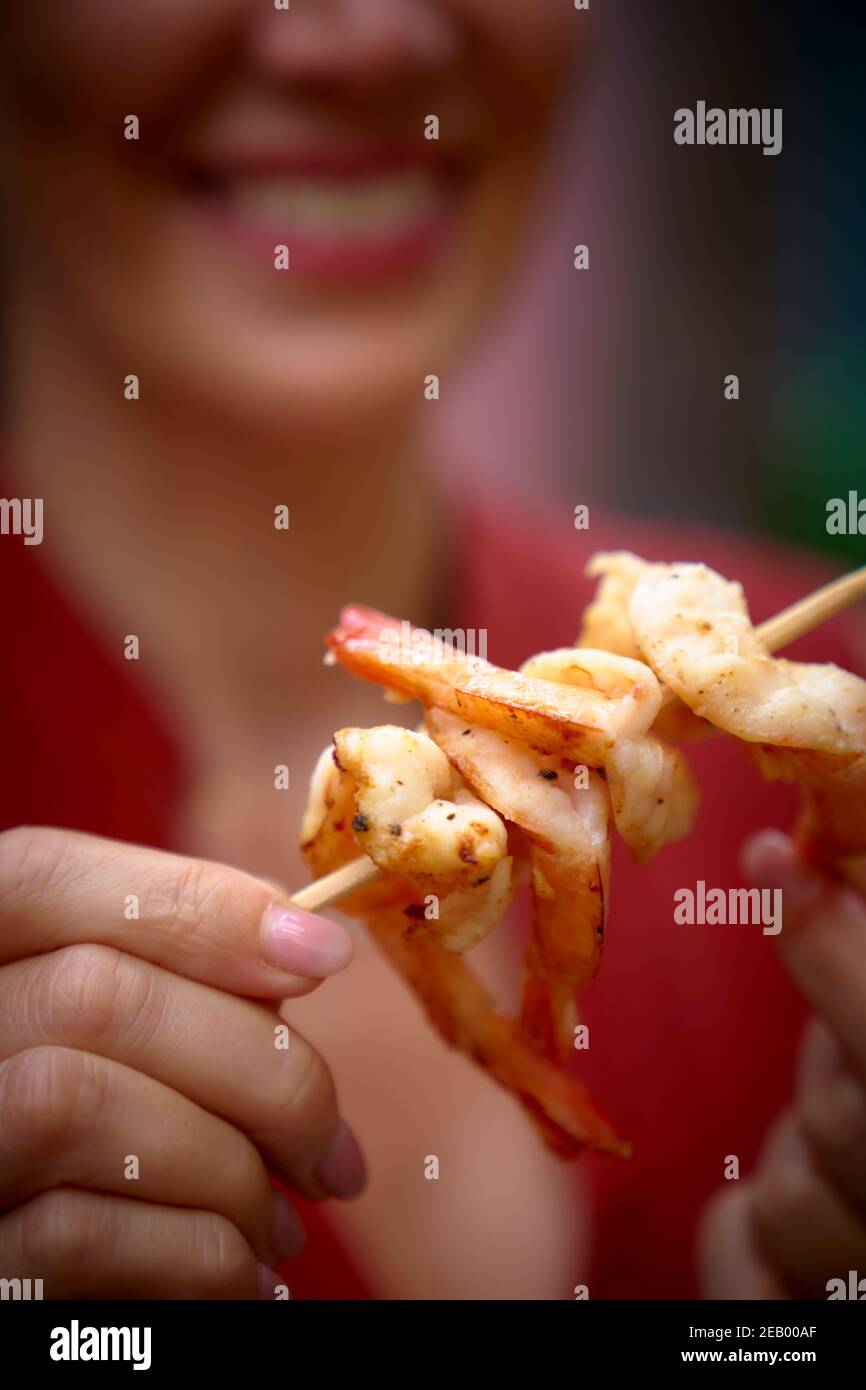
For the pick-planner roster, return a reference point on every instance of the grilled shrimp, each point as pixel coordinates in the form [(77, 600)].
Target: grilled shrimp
[(492, 783), (653, 794), (451, 847), (808, 721), (466, 915), (403, 817), (569, 853), (606, 623), (456, 1003), (326, 840), (461, 1010), (581, 723)]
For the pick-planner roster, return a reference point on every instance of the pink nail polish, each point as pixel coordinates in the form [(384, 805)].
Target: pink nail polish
[(268, 1283), (342, 1171), (287, 1230), (770, 860), (304, 944)]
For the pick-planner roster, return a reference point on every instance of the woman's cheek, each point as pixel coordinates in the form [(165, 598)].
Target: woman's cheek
[(95, 58), (538, 37)]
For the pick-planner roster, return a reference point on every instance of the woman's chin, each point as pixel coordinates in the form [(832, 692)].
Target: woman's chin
[(329, 365), (296, 391)]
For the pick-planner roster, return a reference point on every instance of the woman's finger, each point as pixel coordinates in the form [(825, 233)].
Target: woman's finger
[(72, 1119), (730, 1266), (805, 1231), (199, 919), (231, 1056), (820, 1058), (88, 1245), (831, 1106), (823, 938)]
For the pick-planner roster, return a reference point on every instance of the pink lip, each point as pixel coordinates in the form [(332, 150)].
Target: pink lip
[(326, 160), (340, 254), (380, 256)]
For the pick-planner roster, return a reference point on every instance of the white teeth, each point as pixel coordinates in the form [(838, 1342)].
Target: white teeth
[(350, 206)]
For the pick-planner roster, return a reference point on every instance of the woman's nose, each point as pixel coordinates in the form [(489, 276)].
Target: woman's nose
[(351, 38)]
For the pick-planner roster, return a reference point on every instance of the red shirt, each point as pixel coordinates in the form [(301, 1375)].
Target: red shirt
[(693, 1029)]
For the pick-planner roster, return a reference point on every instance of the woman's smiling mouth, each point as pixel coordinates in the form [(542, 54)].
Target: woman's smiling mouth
[(337, 214)]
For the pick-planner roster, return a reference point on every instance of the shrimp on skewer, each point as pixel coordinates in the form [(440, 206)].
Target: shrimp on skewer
[(807, 721), (330, 809), (404, 819), (466, 915), (606, 623), (653, 793), (580, 723), (569, 855), (456, 1003), (496, 787), (521, 721), (391, 792), (461, 1011)]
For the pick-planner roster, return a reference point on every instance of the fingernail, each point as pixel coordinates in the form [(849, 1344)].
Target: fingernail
[(843, 1097), (784, 1147), (287, 1230), (304, 944), (268, 1283), (343, 1172), (771, 861), (820, 1058)]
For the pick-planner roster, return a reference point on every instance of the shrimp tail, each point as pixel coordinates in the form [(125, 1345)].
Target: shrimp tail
[(461, 1011), (548, 1012)]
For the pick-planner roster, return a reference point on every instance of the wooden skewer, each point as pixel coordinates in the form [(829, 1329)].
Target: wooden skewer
[(786, 627), (322, 892), (813, 610)]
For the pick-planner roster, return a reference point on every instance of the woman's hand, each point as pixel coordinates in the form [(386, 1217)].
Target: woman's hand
[(800, 1219), (144, 1096)]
